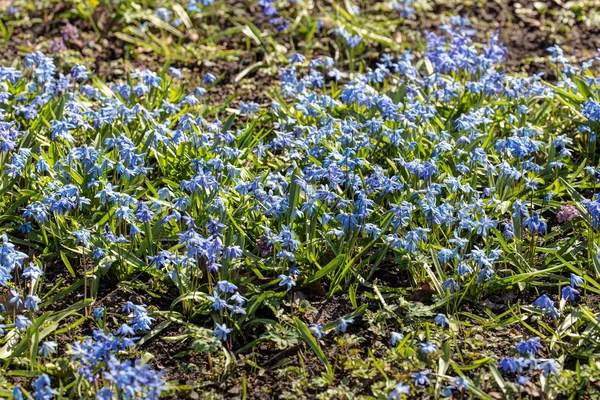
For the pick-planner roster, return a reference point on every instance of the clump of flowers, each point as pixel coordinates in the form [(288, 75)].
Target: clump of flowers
[(96, 360), (567, 213)]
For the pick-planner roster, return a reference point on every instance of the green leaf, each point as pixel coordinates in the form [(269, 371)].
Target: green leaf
[(312, 343), (155, 331), (294, 197), (323, 272), (194, 296), (63, 256)]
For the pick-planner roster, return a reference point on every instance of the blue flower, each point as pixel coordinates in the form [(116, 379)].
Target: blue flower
[(43, 388), (396, 338), (569, 293), (17, 393), (546, 305), (343, 324), (82, 237), (125, 330), (421, 378), (576, 280), (508, 364), (442, 320), (317, 330), (31, 302), (287, 281), (22, 322), (450, 284), (47, 348), (32, 272), (461, 383), (398, 391), (209, 78), (428, 348), (222, 331), (531, 346), (535, 224), (549, 366), (522, 380)]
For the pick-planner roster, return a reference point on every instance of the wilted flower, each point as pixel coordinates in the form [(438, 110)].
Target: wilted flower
[(567, 213)]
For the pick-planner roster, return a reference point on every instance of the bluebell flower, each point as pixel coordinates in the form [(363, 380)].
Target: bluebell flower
[(32, 272), (175, 72), (225, 287), (104, 393), (125, 330), (548, 367), (79, 72), (238, 298), (442, 320), (396, 338), (287, 281), (209, 78), (450, 284), (428, 348), (83, 237), (343, 324), (43, 389), (163, 14), (569, 293), (47, 348), (546, 305), (535, 224), (22, 322), (98, 313), (222, 331), (484, 224), (32, 302), (461, 383), (17, 394), (530, 346), (317, 330), (522, 380), (576, 280), (421, 378), (399, 390), (508, 364)]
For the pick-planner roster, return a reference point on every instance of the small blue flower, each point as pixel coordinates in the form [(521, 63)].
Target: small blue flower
[(450, 284), (43, 388), (545, 304), (576, 280), (47, 348), (22, 322), (209, 78), (531, 346), (287, 281), (569, 293), (17, 393), (398, 391), (548, 366), (343, 324), (461, 383), (507, 364), (396, 338), (317, 330), (222, 331), (442, 320), (522, 380), (428, 348), (421, 378), (98, 313)]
